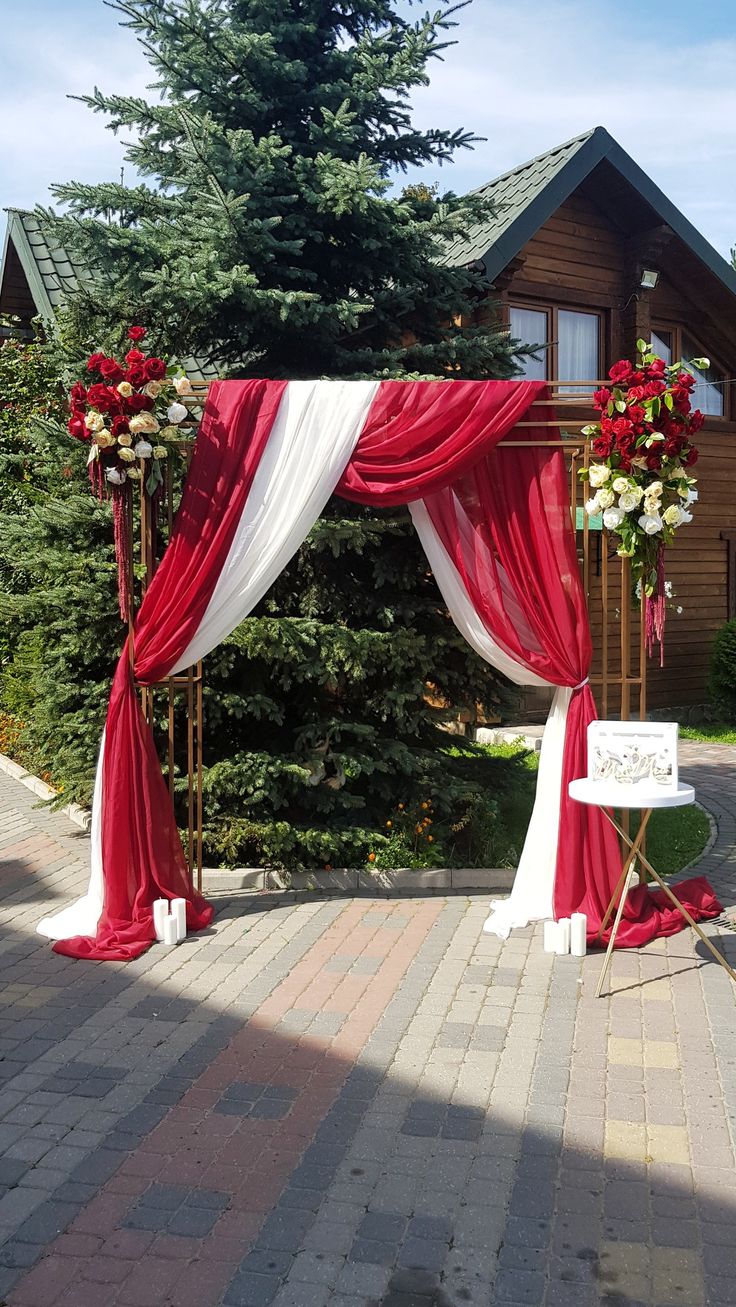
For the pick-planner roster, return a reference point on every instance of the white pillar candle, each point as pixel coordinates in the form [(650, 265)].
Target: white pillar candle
[(170, 932), (160, 913), (550, 936), (578, 934), (563, 926), (179, 913)]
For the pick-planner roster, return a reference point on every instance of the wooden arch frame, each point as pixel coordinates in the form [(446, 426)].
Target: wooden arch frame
[(619, 671)]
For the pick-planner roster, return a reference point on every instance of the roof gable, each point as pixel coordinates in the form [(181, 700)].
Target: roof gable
[(527, 196)]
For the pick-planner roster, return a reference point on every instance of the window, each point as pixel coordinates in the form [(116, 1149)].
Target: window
[(573, 339), (671, 344)]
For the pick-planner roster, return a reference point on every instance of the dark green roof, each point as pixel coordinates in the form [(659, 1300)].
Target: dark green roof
[(527, 196)]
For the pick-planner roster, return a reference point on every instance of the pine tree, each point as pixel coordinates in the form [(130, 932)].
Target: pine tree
[(266, 238)]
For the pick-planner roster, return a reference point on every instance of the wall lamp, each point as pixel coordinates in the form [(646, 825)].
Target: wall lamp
[(649, 279)]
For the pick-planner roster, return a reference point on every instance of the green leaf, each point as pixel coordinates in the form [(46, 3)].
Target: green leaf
[(620, 406), (668, 400)]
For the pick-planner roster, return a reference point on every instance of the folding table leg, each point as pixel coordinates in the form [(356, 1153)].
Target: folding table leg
[(624, 889), (684, 912)]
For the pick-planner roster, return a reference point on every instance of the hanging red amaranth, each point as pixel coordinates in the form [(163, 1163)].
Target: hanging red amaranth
[(655, 611), (120, 497)]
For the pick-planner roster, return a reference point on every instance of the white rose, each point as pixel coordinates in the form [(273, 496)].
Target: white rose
[(134, 474), (94, 421), (152, 389), (160, 451), (672, 516), (605, 498), (651, 523), (125, 389), (612, 518), (142, 449), (621, 485), (598, 475), (592, 505), (127, 455), (630, 500), (177, 413), (183, 386), (114, 475)]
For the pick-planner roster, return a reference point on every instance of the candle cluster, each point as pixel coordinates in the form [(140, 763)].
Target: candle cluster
[(170, 926), (568, 935)]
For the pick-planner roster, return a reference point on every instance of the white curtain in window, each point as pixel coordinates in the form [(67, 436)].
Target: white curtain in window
[(577, 348), (530, 327)]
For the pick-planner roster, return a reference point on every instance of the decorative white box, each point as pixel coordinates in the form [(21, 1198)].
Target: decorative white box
[(632, 753)]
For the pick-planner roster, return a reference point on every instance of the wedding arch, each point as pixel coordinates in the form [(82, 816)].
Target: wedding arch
[(496, 528)]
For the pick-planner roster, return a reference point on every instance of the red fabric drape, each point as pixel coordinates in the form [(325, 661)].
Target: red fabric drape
[(141, 850), (421, 435), (506, 525)]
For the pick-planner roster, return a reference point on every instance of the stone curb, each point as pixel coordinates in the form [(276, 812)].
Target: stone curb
[(81, 817), (350, 880)]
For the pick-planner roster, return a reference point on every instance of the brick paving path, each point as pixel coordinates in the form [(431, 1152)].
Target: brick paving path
[(361, 1102)]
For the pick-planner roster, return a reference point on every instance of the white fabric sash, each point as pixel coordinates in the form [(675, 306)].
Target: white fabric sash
[(531, 897)]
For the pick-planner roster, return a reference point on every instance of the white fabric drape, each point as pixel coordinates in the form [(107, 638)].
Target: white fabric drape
[(81, 917), (532, 893), (315, 431)]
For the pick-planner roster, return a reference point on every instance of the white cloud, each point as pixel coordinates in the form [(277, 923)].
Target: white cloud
[(528, 75)]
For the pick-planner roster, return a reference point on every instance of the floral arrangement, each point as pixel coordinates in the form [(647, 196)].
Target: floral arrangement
[(128, 415), (641, 477)]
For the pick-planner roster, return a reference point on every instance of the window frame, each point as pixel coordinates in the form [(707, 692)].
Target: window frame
[(551, 355), (677, 331)]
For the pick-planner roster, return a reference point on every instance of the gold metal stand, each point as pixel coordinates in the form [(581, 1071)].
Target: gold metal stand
[(621, 892)]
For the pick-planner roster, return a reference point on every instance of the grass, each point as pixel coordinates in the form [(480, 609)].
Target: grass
[(713, 733), (675, 836)]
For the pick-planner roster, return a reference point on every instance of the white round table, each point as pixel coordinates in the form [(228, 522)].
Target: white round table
[(609, 794)]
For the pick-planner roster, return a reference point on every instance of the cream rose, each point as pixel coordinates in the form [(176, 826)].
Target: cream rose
[(612, 518), (144, 424), (105, 439), (598, 475), (127, 455), (606, 497), (170, 433), (125, 438), (94, 421), (177, 413), (651, 523), (160, 451), (134, 474), (183, 386), (621, 485), (672, 516), (125, 389), (654, 490), (152, 389)]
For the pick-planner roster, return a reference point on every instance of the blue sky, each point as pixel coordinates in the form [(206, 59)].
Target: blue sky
[(526, 74)]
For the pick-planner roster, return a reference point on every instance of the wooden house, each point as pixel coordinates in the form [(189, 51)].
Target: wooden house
[(585, 255)]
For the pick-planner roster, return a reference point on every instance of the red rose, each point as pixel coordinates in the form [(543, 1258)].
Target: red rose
[(112, 371), (155, 369), (636, 392), (603, 445), (119, 425), (623, 427), (636, 413), (138, 403), (136, 333), (656, 368), (601, 399), (696, 420), (621, 372), (134, 356), (691, 456), (75, 426), (137, 375), (654, 462), (78, 393), (94, 361), (103, 398), (686, 379)]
